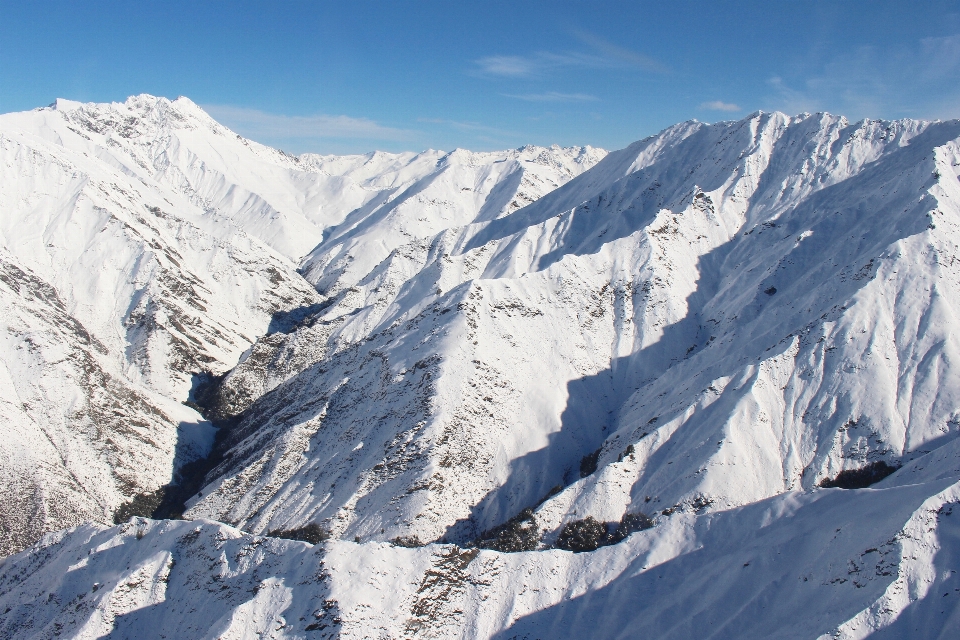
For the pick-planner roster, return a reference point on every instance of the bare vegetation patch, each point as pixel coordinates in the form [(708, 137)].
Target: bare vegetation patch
[(312, 533), (859, 478), (590, 534)]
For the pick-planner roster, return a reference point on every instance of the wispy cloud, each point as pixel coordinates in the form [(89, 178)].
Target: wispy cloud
[(921, 81), (605, 55), (623, 55), (553, 96), (537, 64), (256, 124), (719, 105), (509, 66), (941, 57), (790, 100), (473, 127), (476, 135)]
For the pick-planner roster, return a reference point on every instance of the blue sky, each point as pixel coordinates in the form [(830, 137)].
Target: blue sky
[(346, 77)]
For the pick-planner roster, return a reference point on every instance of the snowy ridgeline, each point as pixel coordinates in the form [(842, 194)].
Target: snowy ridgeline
[(831, 564), (506, 349)]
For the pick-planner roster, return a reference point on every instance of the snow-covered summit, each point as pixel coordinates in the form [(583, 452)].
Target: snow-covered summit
[(284, 200)]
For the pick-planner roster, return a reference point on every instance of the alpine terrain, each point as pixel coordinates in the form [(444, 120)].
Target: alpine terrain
[(706, 386)]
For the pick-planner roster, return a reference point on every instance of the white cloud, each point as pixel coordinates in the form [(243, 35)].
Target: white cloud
[(621, 54), (719, 105), (606, 56), (553, 96), (537, 64), (942, 57), (918, 81), (479, 137), (473, 127), (256, 124), (509, 66)]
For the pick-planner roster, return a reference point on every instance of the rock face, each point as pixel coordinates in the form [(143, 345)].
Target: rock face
[(701, 332)]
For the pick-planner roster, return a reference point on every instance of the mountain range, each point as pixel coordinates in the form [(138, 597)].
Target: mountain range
[(703, 386)]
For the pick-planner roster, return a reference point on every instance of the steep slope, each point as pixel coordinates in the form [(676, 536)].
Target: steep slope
[(78, 436), (827, 564), (288, 201), (720, 313), (168, 287), (462, 188), (145, 248), (119, 296), (707, 327)]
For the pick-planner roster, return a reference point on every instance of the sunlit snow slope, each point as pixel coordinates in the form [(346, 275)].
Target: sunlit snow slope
[(750, 307), (144, 248), (702, 327), (829, 564)]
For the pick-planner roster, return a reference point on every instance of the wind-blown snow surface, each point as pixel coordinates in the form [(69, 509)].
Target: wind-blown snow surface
[(726, 314), (144, 247)]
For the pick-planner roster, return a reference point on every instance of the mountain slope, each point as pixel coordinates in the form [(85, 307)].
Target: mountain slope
[(78, 436), (828, 564), (709, 327), (146, 247), (132, 302), (724, 302)]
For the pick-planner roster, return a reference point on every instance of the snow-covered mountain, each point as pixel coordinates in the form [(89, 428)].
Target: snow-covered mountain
[(701, 297), (493, 350), (144, 248)]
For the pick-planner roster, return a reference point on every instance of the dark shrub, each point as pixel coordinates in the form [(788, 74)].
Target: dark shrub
[(407, 541), (626, 452), (142, 504), (860, 478), (520, 533), (590, 534), (582, 535), (630, 523), (312, 533), (588, 464)]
